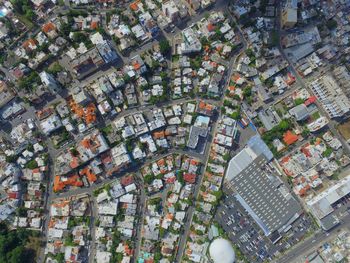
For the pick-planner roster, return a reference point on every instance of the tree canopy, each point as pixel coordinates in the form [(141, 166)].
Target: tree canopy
[(12, 246), (164, 46)]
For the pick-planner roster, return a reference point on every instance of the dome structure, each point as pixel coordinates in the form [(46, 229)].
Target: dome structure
[(221, 251)]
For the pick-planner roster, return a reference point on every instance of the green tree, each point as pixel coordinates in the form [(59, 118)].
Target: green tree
[(298, 101), (55, 68), (65, 29), (12, 246), (235, 115), (164, 46), (148, 178), (331, 24), (11, 158), (32, 164)]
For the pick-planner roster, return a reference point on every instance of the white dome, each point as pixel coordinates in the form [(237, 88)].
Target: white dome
[(221, 251)]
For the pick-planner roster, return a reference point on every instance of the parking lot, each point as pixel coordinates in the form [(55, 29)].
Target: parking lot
[(246, 234)]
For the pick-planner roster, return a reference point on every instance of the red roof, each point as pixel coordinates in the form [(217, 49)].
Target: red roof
[(210, 27), (190, 178), (310, 100), (89, 175), (48, 27), (94, 25), (170, 180), (74, 163), (137, 66), (289, 138), (13, 195), (126, 180), (134, 6), (106, 158), (29, 43)]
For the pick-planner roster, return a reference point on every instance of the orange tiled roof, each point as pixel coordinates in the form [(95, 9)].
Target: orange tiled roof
[(89, 174), (90, 113), (94, 25), (302, 191), (134, 6), (290, 138), (137, 66), (314, 177), (73, 181), (57, 184), (28, 43), (74, 163), (190, 178), (86, 143), (161, 162), (158, 135), (194, 162), (210, 27), (48, 27)]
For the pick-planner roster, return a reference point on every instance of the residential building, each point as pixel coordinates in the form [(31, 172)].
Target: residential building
[(48, 80), (290, 14)]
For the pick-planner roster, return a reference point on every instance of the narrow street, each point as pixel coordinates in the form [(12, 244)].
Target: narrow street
[(190, 212), (93, 218), (141, 208), (297, 253), (301, 82)]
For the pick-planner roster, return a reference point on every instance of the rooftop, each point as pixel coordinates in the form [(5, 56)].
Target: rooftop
[(264, 196)]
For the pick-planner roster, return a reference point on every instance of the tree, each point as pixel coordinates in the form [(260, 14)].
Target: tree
[(74, 152), (164, 46), (30, 14), (65, 29), (11, 158), (331, 24), (305, 132), (247, 92), (21, 211), (157, 256), (298, 101), (32, 165), (235, 115), (327, 152), (55, 68), (31, 82), (12, 246), (249, 52), (17, 255), (148, 178)]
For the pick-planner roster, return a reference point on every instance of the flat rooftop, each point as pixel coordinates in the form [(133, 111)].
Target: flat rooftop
[(264, 196)]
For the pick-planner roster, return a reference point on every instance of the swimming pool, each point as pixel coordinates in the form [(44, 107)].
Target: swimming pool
[(3, 12)]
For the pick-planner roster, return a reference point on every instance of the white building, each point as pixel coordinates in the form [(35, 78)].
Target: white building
[(49, 81), (221, 251)]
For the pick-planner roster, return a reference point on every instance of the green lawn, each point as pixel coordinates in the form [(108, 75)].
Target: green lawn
[(316, 115)]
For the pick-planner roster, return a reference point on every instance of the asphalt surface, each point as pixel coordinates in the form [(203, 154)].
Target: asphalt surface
[(182, 243), (302, 83), (307, 244), (300, 249)]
